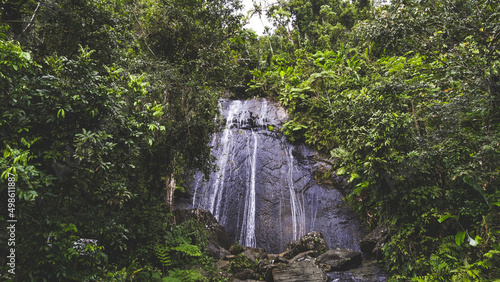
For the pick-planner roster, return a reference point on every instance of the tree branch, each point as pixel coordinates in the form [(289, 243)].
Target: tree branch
[(33, 17)]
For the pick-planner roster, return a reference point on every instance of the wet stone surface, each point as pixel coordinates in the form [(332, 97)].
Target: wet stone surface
[(265, 193)]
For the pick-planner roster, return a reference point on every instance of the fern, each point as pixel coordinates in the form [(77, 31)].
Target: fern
[(189, 249), (185, 275), (163, 256)]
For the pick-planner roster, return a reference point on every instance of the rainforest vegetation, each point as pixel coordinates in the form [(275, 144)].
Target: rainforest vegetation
[(104, 103)]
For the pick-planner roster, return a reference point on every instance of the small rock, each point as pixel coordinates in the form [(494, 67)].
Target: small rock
[(313, 241), (230, 257), (380, 233)]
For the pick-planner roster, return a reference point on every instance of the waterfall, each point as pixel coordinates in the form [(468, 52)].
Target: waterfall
[(264, 192), (227, 143), (247, 237), (297, 206)]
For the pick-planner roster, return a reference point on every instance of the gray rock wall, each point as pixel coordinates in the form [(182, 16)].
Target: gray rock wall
[(265, 194)]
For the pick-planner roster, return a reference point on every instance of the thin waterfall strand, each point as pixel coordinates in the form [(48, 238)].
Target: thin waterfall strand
[(296, 206), (250, 240)]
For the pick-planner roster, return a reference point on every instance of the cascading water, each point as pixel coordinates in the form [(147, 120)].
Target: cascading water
[(296, 206), (247, 237), (265, 193)]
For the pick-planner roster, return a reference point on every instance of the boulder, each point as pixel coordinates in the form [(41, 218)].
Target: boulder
[(300, 271), (369, 271), (216, 232), (339, 260), (267, 271), (251, 255), (259, 253), (217, 251), (375, 238), (313, 241)]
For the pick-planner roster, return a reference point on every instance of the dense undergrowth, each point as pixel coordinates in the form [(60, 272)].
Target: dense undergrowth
[(105, 102)]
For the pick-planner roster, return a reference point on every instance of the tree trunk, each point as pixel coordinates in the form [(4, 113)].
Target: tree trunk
[(169, 189)]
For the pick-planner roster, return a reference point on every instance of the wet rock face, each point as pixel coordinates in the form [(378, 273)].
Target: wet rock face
[(264, 193)]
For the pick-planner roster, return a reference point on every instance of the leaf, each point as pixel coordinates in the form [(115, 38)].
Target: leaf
[(341, 171), (460, 237), (60, 113), (446, 216)]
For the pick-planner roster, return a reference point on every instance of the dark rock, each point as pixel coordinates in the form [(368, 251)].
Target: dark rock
[(377, 250), (267, 271), (246, 274), (223, 265), (250, 255), (368, 271), (217, 251), (300, 271), (254, 254), (217, 233), (339, 260), (313, 241), (377, 237), (259, 253)]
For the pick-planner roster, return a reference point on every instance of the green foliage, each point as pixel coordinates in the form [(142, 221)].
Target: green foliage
[(241, 262), (103, 101), (96, 113), (188, 275), (405, 101), (164, 257)]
